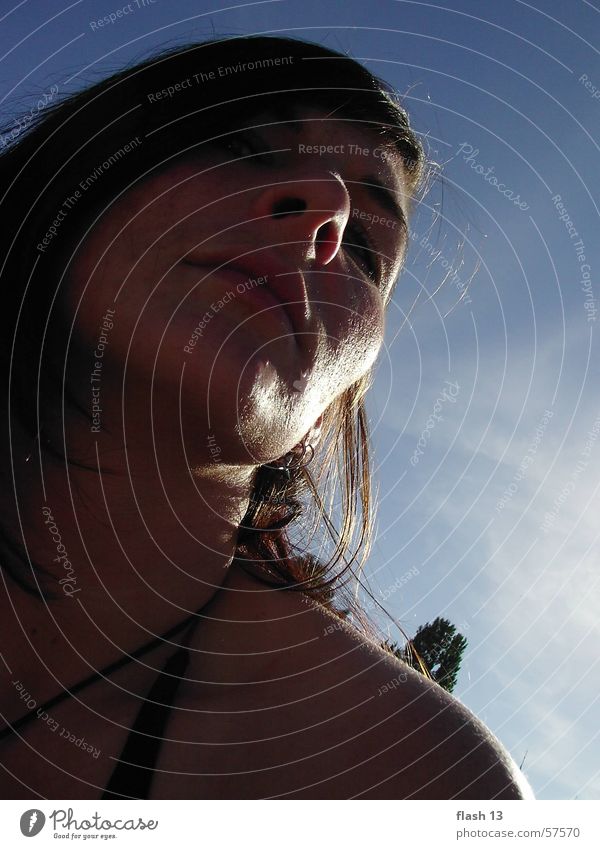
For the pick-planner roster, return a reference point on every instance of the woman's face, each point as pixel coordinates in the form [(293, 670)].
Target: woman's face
[(252, 274)]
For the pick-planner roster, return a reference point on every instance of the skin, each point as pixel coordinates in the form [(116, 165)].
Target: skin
[(152, 538), (170, 508)]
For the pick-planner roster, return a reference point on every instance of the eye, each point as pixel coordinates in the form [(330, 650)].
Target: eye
[(357, 243), (245, 145)]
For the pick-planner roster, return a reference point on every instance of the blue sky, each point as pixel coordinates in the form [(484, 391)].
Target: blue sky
[(497, 516)]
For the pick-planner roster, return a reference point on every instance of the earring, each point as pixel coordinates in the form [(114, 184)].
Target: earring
[(294, 460)]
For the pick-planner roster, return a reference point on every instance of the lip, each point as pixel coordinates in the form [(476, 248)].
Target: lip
[(284, 283)]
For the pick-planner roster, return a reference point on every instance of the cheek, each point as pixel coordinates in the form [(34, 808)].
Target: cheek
[(356, 316), (119, 264), (353, 339)]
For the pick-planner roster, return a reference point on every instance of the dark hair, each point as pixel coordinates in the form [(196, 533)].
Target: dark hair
[(92, 146)]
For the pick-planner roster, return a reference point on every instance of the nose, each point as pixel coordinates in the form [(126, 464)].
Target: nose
[(310, 213)]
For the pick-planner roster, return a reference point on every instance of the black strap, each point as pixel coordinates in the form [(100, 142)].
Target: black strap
[(132, 776), (96, 676)]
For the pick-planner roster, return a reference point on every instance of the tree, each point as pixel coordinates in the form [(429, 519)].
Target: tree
[(440, 649)]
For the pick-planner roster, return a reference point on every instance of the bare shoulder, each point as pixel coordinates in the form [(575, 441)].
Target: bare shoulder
[(314, 710), (417, 740)]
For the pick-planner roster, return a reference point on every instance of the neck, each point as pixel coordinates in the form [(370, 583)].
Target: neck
[(130, 551), (248, 639)]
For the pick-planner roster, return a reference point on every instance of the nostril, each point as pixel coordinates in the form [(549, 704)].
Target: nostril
[(327, 233), (288, 206)]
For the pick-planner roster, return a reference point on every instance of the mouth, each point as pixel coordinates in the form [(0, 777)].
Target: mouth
[(268, 283)]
